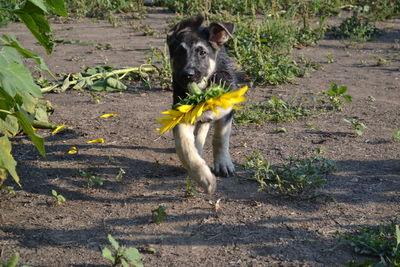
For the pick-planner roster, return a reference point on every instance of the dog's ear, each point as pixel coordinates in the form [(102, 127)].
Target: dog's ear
[(185, 25), (220, 32)]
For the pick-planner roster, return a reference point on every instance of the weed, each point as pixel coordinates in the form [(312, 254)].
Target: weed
[(92, 179), (59, 199), (297, 177), (120, 174), (330, 58), (159, 214), (13, 261), (275, 110), (396, 134), (122, 255), (357, 126), (190, 190), (382, 62), (160, 59), (103, 9), (381, 241), (353, 29), (335, 95)]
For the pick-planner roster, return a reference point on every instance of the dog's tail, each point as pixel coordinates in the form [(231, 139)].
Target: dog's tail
[(191, 158)]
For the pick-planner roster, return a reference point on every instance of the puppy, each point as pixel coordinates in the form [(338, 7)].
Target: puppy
[(197, 54)]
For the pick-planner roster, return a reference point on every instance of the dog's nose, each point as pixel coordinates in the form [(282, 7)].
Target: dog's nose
[(189, 74)]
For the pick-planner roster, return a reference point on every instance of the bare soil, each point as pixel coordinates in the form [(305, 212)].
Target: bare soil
[(250, 228)]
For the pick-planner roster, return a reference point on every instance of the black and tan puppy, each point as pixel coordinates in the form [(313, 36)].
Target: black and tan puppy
[(198, 55)]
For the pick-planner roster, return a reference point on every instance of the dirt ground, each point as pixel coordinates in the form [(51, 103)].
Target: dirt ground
[(251, 228)]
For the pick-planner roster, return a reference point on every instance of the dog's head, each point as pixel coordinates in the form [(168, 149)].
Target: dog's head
[(194, 49)]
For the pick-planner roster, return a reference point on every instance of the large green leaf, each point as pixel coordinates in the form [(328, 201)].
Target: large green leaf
[(6, 159), (11, 41), (58, 7), (33, 17), (26, 125), (15, 79)]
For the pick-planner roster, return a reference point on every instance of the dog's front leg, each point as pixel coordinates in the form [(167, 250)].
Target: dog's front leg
[(188, 154), (223, 165)]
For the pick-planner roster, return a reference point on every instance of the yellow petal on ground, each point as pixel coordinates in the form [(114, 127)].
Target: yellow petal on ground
[(58, 128), (98, 140), (72, 150), (107, 115)]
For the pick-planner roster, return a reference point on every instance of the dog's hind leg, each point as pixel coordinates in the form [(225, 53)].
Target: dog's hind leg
[(223, 165), (200, 134), (188, 154)]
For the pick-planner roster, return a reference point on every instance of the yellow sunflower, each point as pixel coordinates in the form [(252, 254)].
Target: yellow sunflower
[(189, 113)]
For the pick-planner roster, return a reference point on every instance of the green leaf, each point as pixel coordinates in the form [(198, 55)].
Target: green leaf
[(6, 159), (40, 4), (26, 125), (11, 41), (15, 79), (124, 263), (397, 229), (132, 254), (33, 17), (107, 254), (341, 90), (54, 192), (348, 98), (113, 242), (13, 261), (58, 7), (114, 83), (9, 126)]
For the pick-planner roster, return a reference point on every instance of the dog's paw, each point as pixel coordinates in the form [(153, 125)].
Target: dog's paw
[(224, 167), (205, 178)]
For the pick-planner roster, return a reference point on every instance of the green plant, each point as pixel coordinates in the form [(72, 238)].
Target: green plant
[(159, 214), (353, 29), (160, 60), (122, 255), (59, 199), (190, 190), (335, 95), (120, 174), (275, 110), (100, 78), (330, 58), (382, 241), (296, 177), (13, 261), (92, 179), (19, 104), (103, 9), (396, 134), (356, 125)]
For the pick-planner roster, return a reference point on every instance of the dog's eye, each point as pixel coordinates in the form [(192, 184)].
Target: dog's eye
[(202, 52)]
